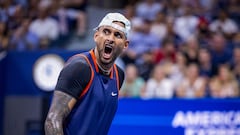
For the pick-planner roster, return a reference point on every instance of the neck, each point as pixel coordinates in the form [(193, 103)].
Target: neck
[(105, 71)]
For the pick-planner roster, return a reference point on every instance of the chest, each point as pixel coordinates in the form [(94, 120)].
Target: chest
[(103, 91)]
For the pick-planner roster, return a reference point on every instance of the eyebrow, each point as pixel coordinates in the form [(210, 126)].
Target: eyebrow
[(117, 31)]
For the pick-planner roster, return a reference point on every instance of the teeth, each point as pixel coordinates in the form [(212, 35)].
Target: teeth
[(107, 45)]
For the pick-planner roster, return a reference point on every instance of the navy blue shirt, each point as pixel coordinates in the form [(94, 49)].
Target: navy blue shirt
[(96, 94)]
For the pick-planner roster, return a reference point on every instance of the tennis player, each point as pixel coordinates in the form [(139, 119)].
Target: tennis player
[(86, 95)]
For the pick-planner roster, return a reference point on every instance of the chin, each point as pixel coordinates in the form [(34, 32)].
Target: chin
[(106, 62)]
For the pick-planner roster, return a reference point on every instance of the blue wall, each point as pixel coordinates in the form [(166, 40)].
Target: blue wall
[(19, 69)]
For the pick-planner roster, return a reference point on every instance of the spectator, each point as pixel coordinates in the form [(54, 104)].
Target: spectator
[(148, 9), (235, 63), (4, 10), (23, 3), (203, 32), (186, 26), (143, 41), (234, 10), (76, 10), (4, 37), (58, 13), (191, 49), (171, 35), (166, 53), (23, 39), (129, 12), (236, 40), (207, 6), (220, 5), (140, 51), (173, 8), (45, 27), (159, 26), (224, 84), (136, 22), (159, 86), (133, 84), (220, 52), (193, 85), (236, 72), (194, 5), (33, 9), (16, 16), (205, 64), (176, 71), (224, 25), (236, 57)]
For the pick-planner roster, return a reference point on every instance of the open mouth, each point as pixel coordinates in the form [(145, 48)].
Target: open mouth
[(108, 51)]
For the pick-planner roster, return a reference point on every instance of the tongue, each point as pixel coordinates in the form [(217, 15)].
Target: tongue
[(107, 55), (107, 52)]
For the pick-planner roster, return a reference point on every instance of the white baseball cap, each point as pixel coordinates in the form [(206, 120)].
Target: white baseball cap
[(116, 17)]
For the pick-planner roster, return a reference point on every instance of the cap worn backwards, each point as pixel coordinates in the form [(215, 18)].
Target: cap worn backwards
[(109, 20)]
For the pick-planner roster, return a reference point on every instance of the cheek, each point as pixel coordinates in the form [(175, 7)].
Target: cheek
[(119, 48), (121, 44), (99, 42), (117, 51)]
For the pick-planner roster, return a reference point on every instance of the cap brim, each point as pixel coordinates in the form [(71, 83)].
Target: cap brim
[(95, 29)]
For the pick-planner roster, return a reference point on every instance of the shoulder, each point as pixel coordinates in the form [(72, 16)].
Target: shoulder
[(75, 76), (77, 65), (77, 60)]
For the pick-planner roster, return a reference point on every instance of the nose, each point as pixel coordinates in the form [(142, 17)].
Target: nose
[(110, 39)]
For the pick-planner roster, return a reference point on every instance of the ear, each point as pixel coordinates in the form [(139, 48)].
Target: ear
[(96, 34), (126, 44)]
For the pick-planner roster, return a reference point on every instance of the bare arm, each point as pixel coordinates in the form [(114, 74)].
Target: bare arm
[(61, 106)]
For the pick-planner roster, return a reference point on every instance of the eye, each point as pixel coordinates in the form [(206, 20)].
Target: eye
[(106, 31), (118, 35)]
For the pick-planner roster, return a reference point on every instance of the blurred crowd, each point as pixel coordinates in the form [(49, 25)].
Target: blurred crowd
[(183, 49), (40, 24)]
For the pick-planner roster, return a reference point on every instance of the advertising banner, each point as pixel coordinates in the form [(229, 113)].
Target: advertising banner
[(177, 117)]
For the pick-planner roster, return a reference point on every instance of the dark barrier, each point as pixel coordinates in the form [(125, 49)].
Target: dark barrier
[(177, 117), (2, 76)]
